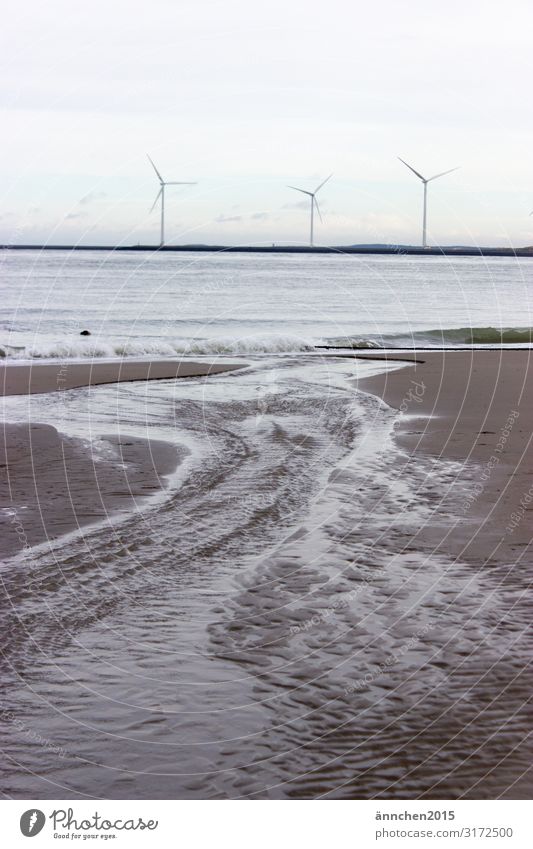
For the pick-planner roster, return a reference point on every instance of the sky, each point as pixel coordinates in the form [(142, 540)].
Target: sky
[(247, 98)]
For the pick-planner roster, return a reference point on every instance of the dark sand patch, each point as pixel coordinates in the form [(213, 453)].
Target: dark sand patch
[(35, 377), (51, 484)]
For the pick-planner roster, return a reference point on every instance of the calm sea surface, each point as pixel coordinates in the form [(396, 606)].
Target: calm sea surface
[(204, 303)]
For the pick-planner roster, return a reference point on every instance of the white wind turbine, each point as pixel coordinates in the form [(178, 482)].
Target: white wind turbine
[(161, 193), (314, 202), (425, 182)]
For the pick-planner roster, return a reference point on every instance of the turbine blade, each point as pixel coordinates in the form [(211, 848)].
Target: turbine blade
[(443, 173), (160, 192), (155, 169), (413, 170), (181, 183), (301, 190), (318, 210), (323, 183)]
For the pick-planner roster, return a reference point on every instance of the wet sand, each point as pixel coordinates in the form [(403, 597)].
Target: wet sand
[(52, 484), (274, 635), (35, 377), (474, 407)]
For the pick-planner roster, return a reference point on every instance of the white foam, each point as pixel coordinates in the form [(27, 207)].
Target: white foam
[(95, 348)]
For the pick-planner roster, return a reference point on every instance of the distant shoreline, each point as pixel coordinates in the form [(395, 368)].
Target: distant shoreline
[(387, 250)]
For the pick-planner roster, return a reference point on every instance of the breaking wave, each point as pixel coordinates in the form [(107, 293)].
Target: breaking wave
[(76, 348), (442, 338), (94, 348)]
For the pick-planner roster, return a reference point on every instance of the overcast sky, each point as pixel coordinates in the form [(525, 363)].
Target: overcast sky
[(247, 97)]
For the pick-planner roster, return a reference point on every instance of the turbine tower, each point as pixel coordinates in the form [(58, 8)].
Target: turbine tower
[(314, 202), (425, 182), (161, 193)]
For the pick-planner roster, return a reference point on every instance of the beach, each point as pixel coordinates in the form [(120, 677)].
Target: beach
[(472, 407), (53, 484), (326, 601), (265, 531), (37, 377), (266, 440), (475, 408)]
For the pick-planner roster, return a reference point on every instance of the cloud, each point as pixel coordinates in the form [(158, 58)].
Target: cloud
[(227, 219), (72, 215), (92, 197), (259, 216), (302, 204)]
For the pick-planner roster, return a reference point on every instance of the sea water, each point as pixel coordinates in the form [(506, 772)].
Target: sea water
[(166, 304)]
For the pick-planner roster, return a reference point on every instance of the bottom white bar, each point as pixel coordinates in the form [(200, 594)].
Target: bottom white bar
[(264, 825)]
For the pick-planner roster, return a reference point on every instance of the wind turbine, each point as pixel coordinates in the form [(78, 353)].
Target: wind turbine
[(314, 202), (425, 182), (161, 193)]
